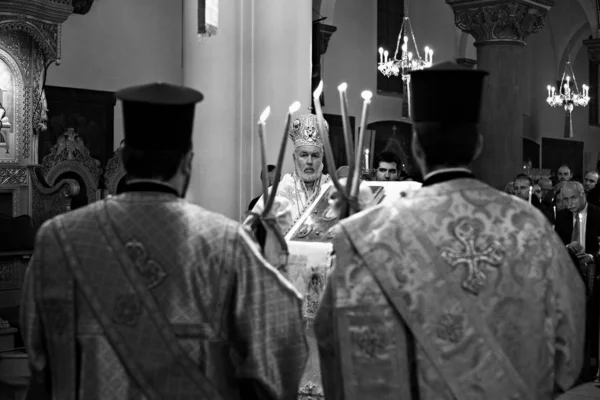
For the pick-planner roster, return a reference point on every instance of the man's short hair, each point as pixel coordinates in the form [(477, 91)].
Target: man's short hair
[(524, 177), (575, 185), (152, 164), (270, 168), (388, 157), (592, 171), (447, 143), (565, 165)]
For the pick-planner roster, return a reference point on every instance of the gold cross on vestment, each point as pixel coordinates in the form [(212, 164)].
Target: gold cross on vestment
[(473, 256)]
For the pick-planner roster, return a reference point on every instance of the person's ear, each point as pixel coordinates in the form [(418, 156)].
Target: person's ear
[(186, 163)]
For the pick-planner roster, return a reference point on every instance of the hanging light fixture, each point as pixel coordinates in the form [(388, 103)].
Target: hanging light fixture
[(408, 61), (567, 97)]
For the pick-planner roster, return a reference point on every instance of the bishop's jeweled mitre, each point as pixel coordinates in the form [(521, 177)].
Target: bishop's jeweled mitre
[(305, 131)]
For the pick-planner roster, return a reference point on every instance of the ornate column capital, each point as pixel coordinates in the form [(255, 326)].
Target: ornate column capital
[(500, 21), (593, 46), (325, 31)]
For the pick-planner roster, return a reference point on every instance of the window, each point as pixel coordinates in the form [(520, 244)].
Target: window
[(389, 20)]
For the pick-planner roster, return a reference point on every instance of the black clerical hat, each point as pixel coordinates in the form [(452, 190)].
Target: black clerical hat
[(159, 116), (446, 92)]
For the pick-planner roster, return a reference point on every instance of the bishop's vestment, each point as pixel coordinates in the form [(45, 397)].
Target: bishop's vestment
[(146, 296), (294, 189), (456, 292)]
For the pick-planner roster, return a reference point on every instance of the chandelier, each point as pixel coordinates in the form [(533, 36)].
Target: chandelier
[(408, 61), (567, 97)]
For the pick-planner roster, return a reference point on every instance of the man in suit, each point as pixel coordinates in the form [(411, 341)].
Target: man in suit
[(579, 228), (592, 190), (523, 187), (145, 295)]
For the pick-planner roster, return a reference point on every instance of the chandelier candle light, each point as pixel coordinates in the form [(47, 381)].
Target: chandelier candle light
[(407, 62), (568, 98)]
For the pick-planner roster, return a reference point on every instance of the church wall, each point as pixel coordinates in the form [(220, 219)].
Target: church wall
[(545, 67), (352, 52), (260, 57), (121, 43)]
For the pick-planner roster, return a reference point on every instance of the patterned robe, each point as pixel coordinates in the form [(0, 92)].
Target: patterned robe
[(448, 252), (236, 319), (291, 187)]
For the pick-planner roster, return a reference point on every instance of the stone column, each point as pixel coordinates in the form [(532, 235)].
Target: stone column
[(499, 30), (259, 57), (321, 33), (593, 46)]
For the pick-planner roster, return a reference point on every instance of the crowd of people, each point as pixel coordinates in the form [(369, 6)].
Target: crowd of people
[(455, 291)]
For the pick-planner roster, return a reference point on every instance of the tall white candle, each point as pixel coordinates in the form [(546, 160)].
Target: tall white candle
[(347, 128), (530, 193), (367, 165), (262, 136), (366, 95)]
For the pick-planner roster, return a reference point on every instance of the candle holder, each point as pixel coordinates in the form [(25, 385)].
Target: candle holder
[(368, 174), (407, 62), (567, 97)]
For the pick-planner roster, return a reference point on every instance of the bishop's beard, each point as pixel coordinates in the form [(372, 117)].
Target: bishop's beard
[(310, 177)]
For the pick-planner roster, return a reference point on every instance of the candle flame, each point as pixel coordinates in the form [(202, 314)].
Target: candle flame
[(381, 50), (294, 107), (343, 87), (367, 95), (318, 90), (549, 87), (265, 115)]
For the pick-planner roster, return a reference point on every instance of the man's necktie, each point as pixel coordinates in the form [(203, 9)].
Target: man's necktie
[(575, 236)]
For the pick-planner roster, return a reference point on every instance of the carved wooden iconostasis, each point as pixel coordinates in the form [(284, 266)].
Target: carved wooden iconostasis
[(32, 190)]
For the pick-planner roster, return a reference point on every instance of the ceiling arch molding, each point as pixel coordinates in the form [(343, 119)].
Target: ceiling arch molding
[(573, 46), (589, 8)]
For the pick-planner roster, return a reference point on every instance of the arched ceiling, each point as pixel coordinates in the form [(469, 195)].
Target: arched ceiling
[(570, 22)]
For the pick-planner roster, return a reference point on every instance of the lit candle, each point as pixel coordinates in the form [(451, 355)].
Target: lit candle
[(366, 95), (426, 54), (262, 136), (385, 53), (530, 193), (325, 136), (347, 127), (554, 209), (431, 56), (409, 56), (549, 91), (553, 91), (288, 122), (381, 55), (367, 165)]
